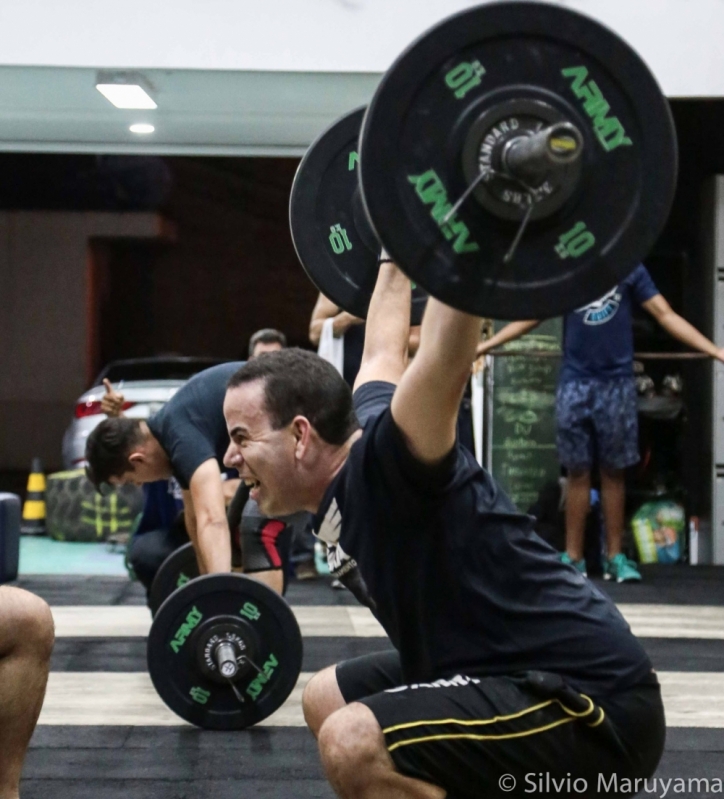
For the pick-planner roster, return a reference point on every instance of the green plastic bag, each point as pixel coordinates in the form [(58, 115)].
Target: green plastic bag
[(658, 529)]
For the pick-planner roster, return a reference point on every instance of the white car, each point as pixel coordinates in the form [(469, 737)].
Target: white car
[(146, 384)]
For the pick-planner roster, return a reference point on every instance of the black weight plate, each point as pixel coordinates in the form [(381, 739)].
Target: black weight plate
[(330, 230), (417, 126), (177, 638), (178, 568)]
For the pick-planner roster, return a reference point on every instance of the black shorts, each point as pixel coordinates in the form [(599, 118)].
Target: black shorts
[(257, 544), (512, 736), (266, 546)]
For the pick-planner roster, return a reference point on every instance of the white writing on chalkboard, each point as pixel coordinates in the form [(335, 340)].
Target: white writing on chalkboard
[(523, 431)]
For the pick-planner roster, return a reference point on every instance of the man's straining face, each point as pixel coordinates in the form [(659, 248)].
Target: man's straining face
[(265, 458)]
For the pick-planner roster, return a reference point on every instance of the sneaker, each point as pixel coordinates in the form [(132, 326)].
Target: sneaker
[(338, 585), (621, 569), (578, 565), (306, 570), (320, 558)]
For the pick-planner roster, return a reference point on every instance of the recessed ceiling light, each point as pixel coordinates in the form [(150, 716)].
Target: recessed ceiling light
[(128, 95), (142, 127)]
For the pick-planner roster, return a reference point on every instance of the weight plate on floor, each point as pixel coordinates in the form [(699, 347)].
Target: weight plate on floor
[(178, 568), (330, 230), (220, 613), (445, 112)]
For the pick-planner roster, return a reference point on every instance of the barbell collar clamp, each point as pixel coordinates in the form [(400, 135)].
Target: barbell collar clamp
[(532, 159), (226, 662)]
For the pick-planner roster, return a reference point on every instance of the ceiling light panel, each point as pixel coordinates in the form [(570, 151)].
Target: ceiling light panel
[(126, 95)]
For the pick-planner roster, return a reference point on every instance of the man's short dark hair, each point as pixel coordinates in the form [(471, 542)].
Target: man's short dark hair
[(267, 336), (108, 447), (300, 383)]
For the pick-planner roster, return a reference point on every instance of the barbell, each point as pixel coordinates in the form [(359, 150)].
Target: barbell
[(224, 651), (181, 565), (516, 161), (179, 568), (330, 229)]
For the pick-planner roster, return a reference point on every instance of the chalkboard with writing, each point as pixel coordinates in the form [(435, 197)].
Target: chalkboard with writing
[(521, 415)]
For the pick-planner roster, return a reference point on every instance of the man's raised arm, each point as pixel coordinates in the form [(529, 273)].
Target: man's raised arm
[(388, 328), (425, 405)]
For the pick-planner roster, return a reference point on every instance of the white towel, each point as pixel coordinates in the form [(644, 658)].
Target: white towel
[(331, 348)]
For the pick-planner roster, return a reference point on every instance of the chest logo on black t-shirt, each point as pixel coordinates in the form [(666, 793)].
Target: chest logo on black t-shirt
[(341, 565), (329, 532), (331, 525), (603, 309)]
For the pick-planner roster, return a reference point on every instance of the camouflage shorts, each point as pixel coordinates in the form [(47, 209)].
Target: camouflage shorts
[(597, 417)]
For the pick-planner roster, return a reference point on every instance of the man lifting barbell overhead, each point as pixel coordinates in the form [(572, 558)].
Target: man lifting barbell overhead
[(507, 662), (187, 439), (505, 656)]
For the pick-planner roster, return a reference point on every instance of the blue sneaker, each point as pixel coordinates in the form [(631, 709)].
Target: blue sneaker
[(578, 565), (621, 569), (320, 558)]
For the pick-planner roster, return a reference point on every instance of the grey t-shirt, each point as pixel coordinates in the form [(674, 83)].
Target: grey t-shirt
[(191, 427)]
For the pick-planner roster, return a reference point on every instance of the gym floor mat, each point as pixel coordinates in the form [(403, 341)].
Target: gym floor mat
[(115, 759)]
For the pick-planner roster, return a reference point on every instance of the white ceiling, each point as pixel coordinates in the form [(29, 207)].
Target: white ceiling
[(51, 109), (238, 77), (679, 39)]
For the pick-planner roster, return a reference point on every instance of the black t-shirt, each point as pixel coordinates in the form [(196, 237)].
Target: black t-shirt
[(191, 427), (458, 577)]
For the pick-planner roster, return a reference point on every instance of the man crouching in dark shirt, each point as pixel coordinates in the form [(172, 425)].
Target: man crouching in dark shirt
[(508, 664), (187, 440)]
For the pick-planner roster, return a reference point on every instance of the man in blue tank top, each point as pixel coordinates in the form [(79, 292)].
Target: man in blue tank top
[(596, 405)]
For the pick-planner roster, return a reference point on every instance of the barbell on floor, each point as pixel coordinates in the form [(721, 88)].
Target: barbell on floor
[(224, 651), (178, 569)]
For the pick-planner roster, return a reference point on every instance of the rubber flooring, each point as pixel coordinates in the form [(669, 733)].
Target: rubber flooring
[(134, 747), (42, 555)]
